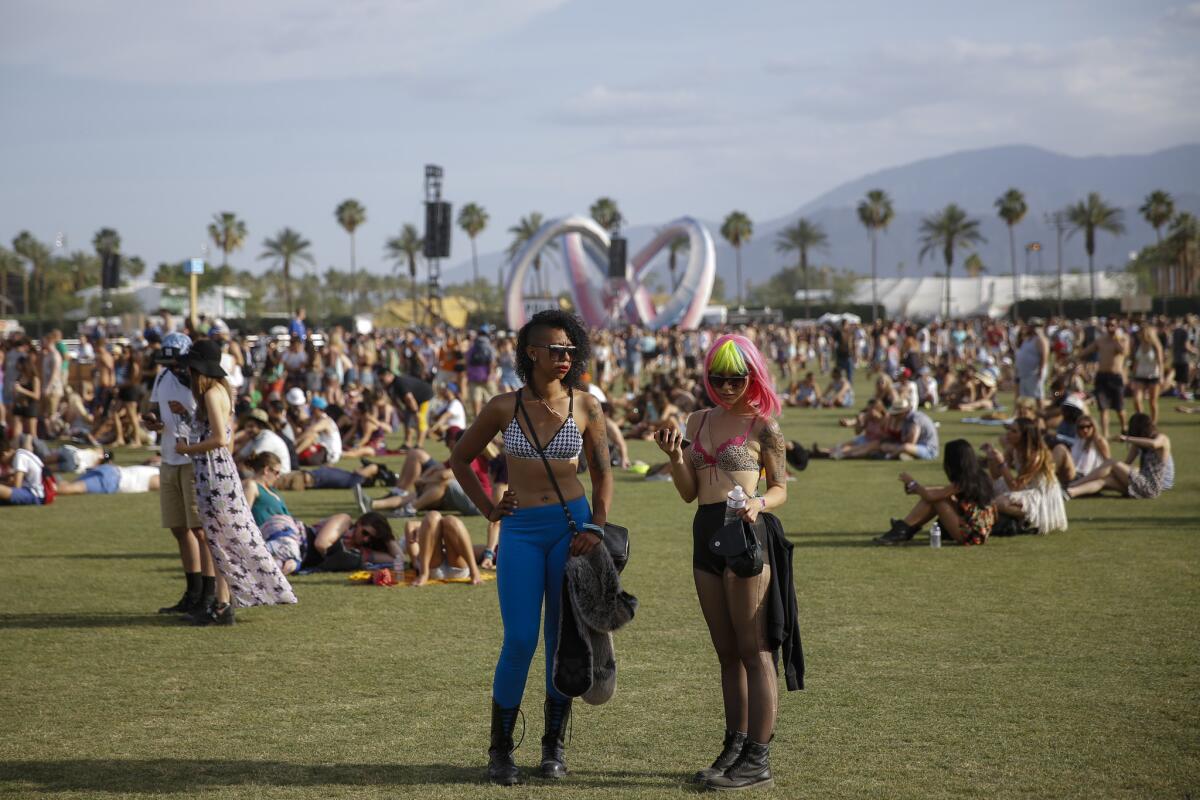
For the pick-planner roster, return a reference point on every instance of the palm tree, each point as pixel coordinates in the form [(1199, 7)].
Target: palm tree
[(737, 230), (522, 232), (1011, 208), (350, 214), (677, 246), (286, 247), (875, 213), (949, 230), (1089, 216), (25, 246), (473, 218), (800, 238), (228, 233), (1158, 210), (406, 249), (606, 214), (1185, 237)]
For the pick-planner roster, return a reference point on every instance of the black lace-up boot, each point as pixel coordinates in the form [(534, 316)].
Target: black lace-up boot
[(734, 742), (502, 769), (558, 714), (752, 770)]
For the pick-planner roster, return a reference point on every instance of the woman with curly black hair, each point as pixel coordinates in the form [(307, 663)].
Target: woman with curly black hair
[(544, 415)]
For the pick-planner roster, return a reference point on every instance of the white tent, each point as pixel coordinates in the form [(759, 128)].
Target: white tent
[(986, 295)]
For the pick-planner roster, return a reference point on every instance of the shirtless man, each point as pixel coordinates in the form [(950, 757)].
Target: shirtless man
[(104, 376), (1112, 348)]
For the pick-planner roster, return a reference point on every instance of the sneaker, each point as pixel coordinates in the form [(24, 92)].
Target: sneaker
[(186, 605), (361, 500), (405, 511), (900, 533)]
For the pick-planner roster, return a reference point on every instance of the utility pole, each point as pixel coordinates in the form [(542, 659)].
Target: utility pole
[(1059, 220)]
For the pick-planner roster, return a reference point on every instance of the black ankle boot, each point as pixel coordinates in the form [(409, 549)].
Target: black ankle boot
[(751, 770), (502, 769), (734, 742), (558, 714), (900, 533)]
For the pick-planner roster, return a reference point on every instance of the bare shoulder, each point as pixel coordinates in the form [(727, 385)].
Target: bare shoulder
[(504, 403), (693, 422), (767, 430), (591, 407)]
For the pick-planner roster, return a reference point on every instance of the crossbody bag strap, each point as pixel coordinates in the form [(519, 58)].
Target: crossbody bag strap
[(537, 445)]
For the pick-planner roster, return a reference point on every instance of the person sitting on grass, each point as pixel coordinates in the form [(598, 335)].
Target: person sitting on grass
[(806, 394), (839, 393), (918, 434), (872, 428), (449, 416), (1155, 473), (321, 441), (111, 479), (976, 392), (440, 549), (371, 427), (1084, 454), (256, 436), (1031, 495), (23, 484), (885, 390), (964, 507)]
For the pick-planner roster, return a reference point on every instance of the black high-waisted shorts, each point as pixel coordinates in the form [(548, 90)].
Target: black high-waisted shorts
[(709, 519)]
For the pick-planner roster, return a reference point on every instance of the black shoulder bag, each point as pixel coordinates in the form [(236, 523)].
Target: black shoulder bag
[(615, 539), (738, 543)]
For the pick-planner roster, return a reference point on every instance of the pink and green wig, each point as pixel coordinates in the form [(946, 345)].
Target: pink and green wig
[(732, 354)]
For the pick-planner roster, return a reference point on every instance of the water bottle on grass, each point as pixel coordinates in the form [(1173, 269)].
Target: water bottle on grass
[(935, 535)]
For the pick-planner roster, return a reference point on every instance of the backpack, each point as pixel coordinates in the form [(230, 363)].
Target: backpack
[(480, 354)]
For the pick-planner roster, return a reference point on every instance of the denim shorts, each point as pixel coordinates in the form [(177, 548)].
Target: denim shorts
[(104, 479), (925, 452), (456, 500), (23, 496)]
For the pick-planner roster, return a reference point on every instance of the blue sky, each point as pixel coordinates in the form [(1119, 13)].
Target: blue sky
[(150, 116)]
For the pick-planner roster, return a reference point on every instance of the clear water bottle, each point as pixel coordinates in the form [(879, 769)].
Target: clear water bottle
[(399, 565), (736, 501), (935, 535)]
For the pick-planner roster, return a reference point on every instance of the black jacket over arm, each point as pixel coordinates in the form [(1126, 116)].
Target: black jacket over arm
[(783, 625)]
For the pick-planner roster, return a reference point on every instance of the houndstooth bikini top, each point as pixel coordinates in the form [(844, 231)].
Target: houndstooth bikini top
[(565, 445)]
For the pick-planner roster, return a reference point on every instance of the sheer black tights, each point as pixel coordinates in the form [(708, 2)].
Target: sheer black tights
[(736, 613)]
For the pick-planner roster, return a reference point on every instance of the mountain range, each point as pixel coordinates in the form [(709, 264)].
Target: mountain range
[(973, 179)]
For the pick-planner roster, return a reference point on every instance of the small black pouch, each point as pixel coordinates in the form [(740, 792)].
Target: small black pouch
[(738, 545)]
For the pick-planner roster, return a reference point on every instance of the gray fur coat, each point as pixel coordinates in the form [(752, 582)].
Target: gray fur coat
[(593, 606)]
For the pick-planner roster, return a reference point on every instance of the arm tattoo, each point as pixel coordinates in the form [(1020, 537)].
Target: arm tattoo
[(598, 433), (773, 449)]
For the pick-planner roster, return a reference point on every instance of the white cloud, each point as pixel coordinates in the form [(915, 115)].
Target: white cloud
[(605, 105), (246, 41)]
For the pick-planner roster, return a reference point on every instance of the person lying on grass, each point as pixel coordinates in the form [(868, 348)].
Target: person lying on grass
[(336, 543), (964, 507), (1155, 473), (111, 479), (22, 485)]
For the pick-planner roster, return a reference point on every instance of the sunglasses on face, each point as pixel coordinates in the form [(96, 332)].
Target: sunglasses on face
[(1087, 428), (558, 352), (733, 381)]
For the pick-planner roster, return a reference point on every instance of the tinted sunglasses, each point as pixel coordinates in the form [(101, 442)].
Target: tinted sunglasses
[(733, 381), (558, 352)]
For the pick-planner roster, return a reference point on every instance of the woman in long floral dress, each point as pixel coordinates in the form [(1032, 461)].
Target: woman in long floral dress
[(247, 575)]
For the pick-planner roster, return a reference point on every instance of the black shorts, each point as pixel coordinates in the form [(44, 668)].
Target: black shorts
[(1110, 391), (709, 519), (131, 394), (1182, 371)]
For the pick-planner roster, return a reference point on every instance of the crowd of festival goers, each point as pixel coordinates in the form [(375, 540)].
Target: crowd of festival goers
[(1077, 404)]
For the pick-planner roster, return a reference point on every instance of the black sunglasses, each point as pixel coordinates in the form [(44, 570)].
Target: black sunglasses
[(727, 380), (558, 352)]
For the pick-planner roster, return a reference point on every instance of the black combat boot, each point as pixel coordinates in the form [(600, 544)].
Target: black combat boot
[(502, 769), (751, 770), (558, 714), (734, 742), (900, 533)]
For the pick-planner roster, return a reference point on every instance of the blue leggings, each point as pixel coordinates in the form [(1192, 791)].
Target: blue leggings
[(533, 553)]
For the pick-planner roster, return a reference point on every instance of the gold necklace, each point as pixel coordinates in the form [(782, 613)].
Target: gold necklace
[(547, 406)]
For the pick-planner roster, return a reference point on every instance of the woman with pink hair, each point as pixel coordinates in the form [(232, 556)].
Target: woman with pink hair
[(726, 447)]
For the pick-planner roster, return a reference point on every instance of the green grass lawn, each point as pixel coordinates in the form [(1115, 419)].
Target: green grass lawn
[(1063, 666)]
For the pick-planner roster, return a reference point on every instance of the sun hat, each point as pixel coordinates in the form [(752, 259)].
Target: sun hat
[(320, 402), (175, 345), (1071, 401), (295, 396), (258, 415), (987, 379), (901, 406), (205, 358)]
